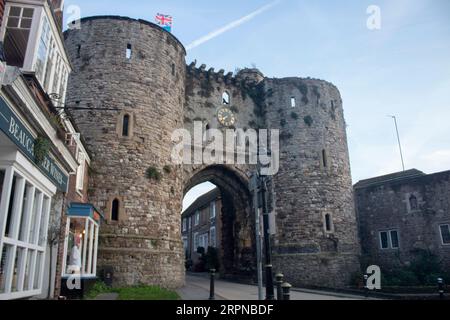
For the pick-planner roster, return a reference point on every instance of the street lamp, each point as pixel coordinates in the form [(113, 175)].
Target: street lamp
[(262, 182)]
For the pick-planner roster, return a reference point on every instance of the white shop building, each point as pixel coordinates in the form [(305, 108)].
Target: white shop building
[(35, 162)]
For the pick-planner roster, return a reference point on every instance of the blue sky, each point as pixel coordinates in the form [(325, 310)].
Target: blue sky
[(402, 69)]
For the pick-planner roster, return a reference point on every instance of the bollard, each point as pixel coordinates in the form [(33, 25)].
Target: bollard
[(211, 287), (279, 280), (440, 282), (286, 287), (366, 288)]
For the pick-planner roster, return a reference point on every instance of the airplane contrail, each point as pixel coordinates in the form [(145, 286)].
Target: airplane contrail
[(231, 25)]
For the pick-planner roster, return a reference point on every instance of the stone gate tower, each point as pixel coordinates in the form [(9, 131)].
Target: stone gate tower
[(140, 69)]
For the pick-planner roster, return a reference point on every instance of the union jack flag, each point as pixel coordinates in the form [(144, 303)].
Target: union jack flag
[(164, 21)]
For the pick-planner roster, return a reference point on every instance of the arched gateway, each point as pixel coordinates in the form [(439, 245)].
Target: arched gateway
[(156, 93)]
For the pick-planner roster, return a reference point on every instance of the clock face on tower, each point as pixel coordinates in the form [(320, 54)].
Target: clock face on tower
[(226, 117)]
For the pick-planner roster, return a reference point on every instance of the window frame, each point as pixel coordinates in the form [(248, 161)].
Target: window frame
[(88, 251), (213, 240), (212, 210), (31, 210), (440, 233), (389, 239), (197, 218)]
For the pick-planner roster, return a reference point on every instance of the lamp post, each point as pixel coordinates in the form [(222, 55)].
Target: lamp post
[(267, 249)]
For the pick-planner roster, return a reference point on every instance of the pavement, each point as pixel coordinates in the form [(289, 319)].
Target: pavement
[(197, 288)]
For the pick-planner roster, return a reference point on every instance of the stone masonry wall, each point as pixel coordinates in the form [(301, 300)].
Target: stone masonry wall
[(385, 206), (161, 94), (308, 187), (144, 246)]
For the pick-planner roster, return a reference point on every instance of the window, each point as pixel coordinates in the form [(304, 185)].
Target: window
[(128, 52), (115, 210), (394, 239), (328, 223), (384, 240), (226, 98), (445, 234), (293, 102), (126, 125), (413, 204), (212, 210), (202, 241), (79, 51), (389, 239), (44, 44), (25, 210), (196, 241), (324, 157), (81, 171), (212, 237), (81, 244), (189, 223), (197, 218), (17, 35), (184, 225), (173, 69)]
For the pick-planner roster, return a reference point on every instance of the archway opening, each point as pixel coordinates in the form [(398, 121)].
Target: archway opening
[(217, 224)]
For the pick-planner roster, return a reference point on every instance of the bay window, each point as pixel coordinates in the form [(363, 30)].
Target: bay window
[(17, 34), (44, 44), (24, 216)]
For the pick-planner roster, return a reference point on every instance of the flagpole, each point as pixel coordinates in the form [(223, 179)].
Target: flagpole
[(398, 139)]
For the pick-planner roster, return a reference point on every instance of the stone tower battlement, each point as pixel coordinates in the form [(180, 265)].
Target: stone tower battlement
[(140, 69)]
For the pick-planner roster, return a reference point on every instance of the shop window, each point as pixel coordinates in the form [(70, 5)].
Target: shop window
[(81, 241), (445, 234), (226, 98), (17, 35), (25, 212), (115, 210)]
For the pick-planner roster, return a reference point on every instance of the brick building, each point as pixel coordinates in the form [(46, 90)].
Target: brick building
[(202, 225), (401, 212)]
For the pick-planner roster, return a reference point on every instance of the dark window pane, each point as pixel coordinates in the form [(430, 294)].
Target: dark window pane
[(125, 126), (384, 240), (9, 214), (445, 232), (115, 210), (15, 46), (27, 12), (413, 203), (26, 23), (15, 11), (328, 222), (2, 179), (394, 239), (13, 22)]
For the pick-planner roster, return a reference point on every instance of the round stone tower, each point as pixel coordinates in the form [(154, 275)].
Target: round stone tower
[(316, 240), (139, 69)]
